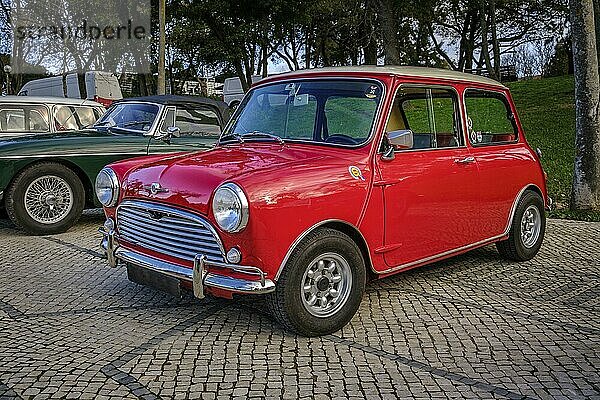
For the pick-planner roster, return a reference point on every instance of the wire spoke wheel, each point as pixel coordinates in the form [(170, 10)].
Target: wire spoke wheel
[(326, 285), (48, 199)]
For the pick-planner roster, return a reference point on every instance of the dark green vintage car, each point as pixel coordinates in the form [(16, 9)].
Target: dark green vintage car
[(46, 180)]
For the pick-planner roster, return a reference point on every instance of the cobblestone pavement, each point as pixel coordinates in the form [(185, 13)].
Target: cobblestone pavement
[(474, 326)]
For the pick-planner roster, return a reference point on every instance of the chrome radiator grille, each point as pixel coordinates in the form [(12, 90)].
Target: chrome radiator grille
[(168, 231)]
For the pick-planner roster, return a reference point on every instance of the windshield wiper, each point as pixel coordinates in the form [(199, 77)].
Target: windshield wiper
[(264, 134), (131, 123), (235, 136)]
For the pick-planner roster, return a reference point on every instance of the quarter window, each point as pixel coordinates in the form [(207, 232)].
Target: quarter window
[(490, 119), (430, 113)]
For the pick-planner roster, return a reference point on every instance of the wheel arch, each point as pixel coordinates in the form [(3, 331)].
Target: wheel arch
[(531, 186), (341, 226), (83, 177)]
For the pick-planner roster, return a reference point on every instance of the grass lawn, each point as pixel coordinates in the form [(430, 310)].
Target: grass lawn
[(546, 109)]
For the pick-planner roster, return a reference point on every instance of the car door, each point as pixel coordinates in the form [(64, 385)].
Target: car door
[(199, 127), (503, 162), (431, 189)]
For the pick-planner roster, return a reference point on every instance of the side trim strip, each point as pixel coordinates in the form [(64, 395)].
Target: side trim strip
[(70, 155)]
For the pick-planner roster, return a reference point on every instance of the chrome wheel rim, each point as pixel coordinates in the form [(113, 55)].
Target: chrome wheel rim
[(531, 225), (48, 199), (326, 285)]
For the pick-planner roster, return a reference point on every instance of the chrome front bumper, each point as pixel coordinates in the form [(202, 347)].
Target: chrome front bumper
[(198, 275)]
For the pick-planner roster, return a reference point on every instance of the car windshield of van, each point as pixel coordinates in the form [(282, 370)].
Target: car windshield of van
[(129, 117), (323, 111)]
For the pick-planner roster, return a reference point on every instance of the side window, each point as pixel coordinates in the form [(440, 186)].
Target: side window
[(432, 114), (38, 120), (201, 121), (350, 116), (64, 118), (86, 115), (490, 119), (12, 120), (24, 119)]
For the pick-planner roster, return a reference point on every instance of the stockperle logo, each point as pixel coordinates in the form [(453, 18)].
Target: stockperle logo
[(81, 36)]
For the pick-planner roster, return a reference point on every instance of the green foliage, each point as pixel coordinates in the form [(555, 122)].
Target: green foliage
[(546, 109)]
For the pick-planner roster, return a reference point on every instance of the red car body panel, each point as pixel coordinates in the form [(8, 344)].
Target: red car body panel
[(419, 207)]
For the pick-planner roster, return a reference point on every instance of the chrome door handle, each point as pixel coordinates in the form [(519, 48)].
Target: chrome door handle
[(466, 160)]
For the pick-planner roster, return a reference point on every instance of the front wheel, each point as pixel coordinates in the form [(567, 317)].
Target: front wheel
[(45, 198), (321, 286), (527, 230)]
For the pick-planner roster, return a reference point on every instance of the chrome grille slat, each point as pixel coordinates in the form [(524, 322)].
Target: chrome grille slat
[(184, 255), (170, 218), (186, 227), (139, 224), (169, 241), (175, 233)]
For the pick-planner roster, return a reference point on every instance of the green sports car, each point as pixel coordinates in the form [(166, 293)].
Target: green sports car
[(47, 179)]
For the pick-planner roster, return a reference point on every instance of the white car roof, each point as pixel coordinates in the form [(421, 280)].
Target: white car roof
[(48, 100), (421, 72)]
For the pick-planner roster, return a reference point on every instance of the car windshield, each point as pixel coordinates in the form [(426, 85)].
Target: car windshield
[(333, 111), (135, 117)]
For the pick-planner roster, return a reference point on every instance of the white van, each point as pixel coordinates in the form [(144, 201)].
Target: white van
[(102, 87), (233, 92)]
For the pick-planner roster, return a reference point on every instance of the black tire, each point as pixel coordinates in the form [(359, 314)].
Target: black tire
[(15, 199), (286, 303), (514, 247)]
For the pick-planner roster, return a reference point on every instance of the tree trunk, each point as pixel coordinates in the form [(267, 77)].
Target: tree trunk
[(389, 31), (586, 182), (597, 22), (495, 43), (485, 50)]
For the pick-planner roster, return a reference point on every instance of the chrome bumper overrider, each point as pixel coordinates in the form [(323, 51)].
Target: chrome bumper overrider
[(198, 275)]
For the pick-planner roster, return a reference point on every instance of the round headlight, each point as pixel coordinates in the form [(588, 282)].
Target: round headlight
[(107, 187), (230, 207)]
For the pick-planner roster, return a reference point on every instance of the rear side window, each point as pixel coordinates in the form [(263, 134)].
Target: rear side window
[(23, 119), (490, 119)]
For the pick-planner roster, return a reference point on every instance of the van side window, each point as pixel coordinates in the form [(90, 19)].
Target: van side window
[(430, 113), (490, 119)]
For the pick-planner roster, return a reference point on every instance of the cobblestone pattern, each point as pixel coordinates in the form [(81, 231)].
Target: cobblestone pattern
[(473, 326)]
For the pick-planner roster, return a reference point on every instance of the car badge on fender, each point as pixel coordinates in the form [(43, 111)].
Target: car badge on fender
[(155, 188), (356, 173)]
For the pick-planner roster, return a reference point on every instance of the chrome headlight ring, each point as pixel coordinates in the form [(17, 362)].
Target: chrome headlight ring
[(230, 207), (107, 187)]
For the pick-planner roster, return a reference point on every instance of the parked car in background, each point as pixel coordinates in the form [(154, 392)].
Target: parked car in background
[(99, 86), (327, 177), (46, 180), (38, 115), (233, 92)]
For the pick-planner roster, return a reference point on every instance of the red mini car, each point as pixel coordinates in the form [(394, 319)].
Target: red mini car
[(324, 179)]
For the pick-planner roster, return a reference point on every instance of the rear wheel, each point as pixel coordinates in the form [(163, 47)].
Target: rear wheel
[(321, 286), (527, 230), (45, 198)]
